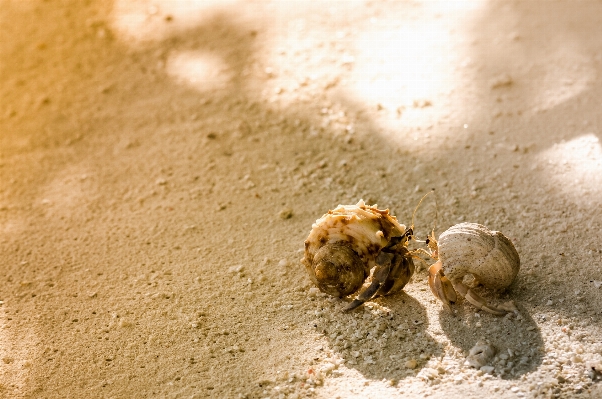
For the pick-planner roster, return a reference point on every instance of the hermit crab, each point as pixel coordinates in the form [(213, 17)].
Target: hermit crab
[(472, 249), (349, 241)]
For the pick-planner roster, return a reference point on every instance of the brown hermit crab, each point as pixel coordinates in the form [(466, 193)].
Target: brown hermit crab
[(472, 249), (347, 242)]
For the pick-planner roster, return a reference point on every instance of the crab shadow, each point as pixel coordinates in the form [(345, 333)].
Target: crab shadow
[(386, 339), (517, 339)]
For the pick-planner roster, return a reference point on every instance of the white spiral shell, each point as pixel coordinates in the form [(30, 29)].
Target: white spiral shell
[(471, 248)]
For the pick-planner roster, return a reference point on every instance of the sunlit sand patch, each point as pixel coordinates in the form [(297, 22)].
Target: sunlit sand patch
[(148, 20), (414, 56), (70, 192), (575, 167), (407, 67), (11, 226), (201, 70)]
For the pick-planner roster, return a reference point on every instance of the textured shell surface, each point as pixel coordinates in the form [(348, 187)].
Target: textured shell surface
[(471, 248), (363, 228)]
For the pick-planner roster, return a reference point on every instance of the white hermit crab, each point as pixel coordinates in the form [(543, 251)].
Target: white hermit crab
[(472, 249), (347, 242)]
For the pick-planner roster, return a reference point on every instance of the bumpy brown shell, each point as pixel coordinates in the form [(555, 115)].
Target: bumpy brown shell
[(344, 243), (471, 248)]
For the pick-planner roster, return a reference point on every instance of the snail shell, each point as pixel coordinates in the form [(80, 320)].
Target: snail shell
[(343, 245), (471, 248)]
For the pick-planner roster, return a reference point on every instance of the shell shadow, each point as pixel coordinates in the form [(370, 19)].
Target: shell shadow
[(518, 341), (378, 340)]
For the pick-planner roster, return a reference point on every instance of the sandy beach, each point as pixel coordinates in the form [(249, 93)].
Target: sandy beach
[(162, 163)]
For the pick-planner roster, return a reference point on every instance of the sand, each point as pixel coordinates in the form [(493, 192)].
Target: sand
[(162, 162)]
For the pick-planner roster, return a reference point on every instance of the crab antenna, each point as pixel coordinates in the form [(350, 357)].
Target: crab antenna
[(420, 202), (436, 213)]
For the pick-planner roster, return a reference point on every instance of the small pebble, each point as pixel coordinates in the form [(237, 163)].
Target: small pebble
[(286, 213), (125, 323), (503, 80), (410, 364), (235, 269), (487, 369), (480, 354)]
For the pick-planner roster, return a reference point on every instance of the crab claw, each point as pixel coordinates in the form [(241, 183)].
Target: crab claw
[(440, 285), (378, 279), (482, 304)]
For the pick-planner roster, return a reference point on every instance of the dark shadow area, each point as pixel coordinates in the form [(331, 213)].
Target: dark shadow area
[(390, 342), (518, 340)]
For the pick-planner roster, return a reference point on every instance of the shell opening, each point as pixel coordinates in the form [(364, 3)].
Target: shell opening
[(338, 270)]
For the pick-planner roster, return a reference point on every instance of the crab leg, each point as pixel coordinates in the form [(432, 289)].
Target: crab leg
[(440, 285), (402, 269), (379, 278), (481, 303), (446, 290)]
